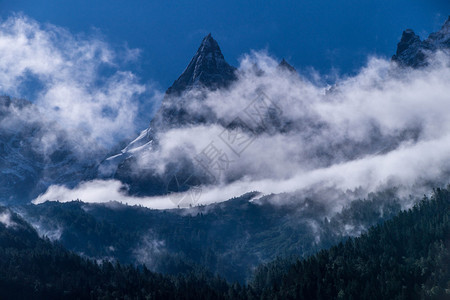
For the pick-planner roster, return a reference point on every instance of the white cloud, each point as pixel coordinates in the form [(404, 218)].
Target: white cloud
[(5, 219), (147, 250), (98, 191)]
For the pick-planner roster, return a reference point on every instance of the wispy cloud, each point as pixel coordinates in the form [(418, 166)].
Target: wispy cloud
[(98, 191), (78, 81), (5, 219)]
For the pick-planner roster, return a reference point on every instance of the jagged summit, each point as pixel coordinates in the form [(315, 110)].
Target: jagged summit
[(412, 52), (286, 66), (409, 52), (208, 68), (408, 38)]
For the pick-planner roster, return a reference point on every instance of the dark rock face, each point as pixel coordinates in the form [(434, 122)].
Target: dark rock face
[(409, 50), (207, 68), (413, 52)]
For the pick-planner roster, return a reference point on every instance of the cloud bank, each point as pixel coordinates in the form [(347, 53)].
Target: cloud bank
[(98, 191), (386, 126)]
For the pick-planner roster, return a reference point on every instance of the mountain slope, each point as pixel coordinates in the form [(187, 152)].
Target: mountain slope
[(229, 238), (404, 258), (34, 268)]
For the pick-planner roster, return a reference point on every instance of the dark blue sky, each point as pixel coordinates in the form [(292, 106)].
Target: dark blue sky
[(324, 34)]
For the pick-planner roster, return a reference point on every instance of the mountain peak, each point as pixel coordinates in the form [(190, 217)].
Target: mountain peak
[(413, 52), (286, 66), (208, 40), (408, 38), (207, 68), (409, 50)]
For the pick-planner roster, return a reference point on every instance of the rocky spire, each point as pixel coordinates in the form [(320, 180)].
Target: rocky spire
[(409, 39), (409, 50), (207, 68)]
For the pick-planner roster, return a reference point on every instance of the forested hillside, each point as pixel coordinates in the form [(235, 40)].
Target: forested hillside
[(407, 257), (34, 268), (229, 238)]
